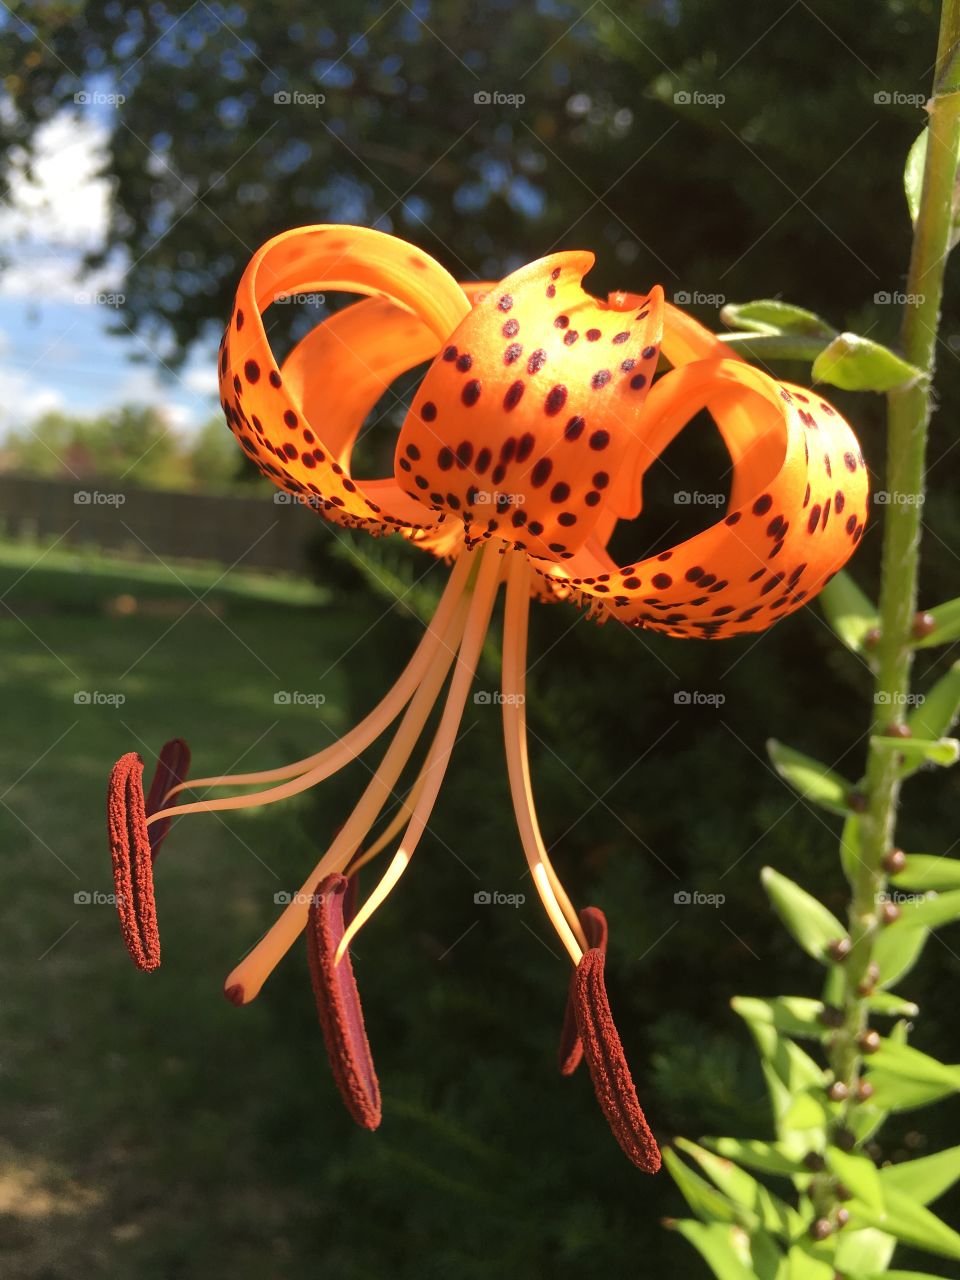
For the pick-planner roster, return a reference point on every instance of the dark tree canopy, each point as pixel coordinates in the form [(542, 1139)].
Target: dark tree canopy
[(788, 185)]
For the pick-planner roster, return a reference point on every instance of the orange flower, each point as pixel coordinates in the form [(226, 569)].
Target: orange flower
[(526, 443)]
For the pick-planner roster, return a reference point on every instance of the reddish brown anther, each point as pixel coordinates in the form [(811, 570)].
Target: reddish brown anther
[(611, 1077), (132, 861), (172, 765), (594, 925), (338, 1004), (234, 994)]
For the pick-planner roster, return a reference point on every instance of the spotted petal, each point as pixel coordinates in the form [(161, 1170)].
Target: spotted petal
[(532, 407)]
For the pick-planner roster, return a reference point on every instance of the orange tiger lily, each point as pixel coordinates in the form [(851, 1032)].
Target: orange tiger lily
[(526, 443)]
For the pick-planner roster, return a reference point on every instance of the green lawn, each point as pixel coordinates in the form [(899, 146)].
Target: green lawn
[(137, 1110)]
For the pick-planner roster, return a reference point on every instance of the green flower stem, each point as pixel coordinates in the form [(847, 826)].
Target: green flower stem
[(908, 418)]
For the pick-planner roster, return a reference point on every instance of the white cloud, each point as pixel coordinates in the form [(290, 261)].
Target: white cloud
[(57, 211)]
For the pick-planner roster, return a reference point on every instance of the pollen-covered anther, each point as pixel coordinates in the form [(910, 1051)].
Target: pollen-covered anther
[(612, 1081), (132, 861), (570, 1055), (173, 763), (338, 1004)]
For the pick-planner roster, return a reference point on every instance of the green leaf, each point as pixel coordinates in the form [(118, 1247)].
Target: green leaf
[(768, 315), (910, 1222), (907, 1063), (775, 1215), (717, 1245), (933, 910), (913, 184), (805, 917), (946, 618), (858, 364), (933, 717), (885, 1003), (850, 848), (897, 950), (858, 1173), (706, 1201), (807, 1110), (892, 1275), (916, 752), (766, 1157), (851, 614), (925, 871), (913, 174), (791, 1015), (801, 1266), (812, 779), (925, 1179), (866, 1247)]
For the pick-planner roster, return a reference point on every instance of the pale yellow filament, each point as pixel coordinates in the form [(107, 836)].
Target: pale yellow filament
[(324, 763), (438, 757), (556, 903)]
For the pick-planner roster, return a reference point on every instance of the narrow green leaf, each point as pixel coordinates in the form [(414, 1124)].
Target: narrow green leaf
[(913, 174), (910, 1222), (812, 779), (850, 848), (706, 1201), (909, 1063), (802, 1266), (775, 1215), (891, 1275), (886, 1004), (851, 613), (925, 871), (765, 1157), (898, 949), (946, 628), (933, 717), (925, 1179), (916, 752), (769, 315), (791, 1015), (932, 910), (913, 184), (859, 364), (715, 1244), (804, 916), (807, 1110), (866, 1247), (859, 1174)]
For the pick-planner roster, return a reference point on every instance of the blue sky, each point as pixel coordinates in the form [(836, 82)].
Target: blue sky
[(55, 351)]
